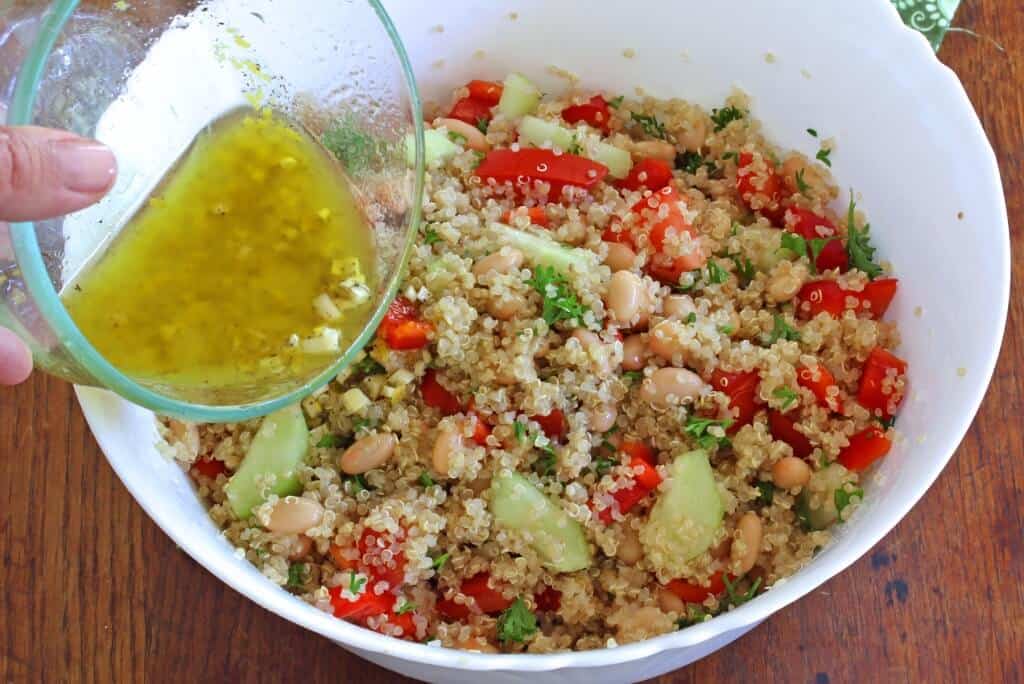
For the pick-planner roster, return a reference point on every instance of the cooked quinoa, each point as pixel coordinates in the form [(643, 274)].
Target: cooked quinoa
[(543, 453)]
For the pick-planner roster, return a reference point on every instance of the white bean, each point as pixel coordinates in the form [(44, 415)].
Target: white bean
[(668, 386), (368, 453), (294, 514)]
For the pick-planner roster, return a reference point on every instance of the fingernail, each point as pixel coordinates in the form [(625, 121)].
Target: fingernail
[(85, 166)]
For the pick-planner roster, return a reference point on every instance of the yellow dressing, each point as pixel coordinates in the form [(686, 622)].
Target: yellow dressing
[(250, 264)]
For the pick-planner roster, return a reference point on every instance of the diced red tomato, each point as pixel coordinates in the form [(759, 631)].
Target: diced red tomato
[(341, 559), (553, 424), (821, 296), (470, 110), (365, 605), (877, 296), (208, 467), (784, 430), (527, 165), (477, 587), (877, 392), (625, 499), (820, 381), (811, 226), (653, 174), (481, 431), (741, 388), (548, 600), (646, 475), (866, 447), (404, 621), (383, 567), (638, 450), (620, 234), (667, 265), (487, 92), (594, 113), (760, 190), (401, 329), (435, 395), (538, 215), (691, 592)]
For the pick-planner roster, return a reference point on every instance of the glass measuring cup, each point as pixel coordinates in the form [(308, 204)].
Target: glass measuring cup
[(145, 77)]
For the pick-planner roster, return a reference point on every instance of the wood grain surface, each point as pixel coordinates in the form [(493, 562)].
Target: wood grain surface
[(92, 591)]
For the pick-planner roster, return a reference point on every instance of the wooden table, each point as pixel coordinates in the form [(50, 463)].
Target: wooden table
[(91, 590)]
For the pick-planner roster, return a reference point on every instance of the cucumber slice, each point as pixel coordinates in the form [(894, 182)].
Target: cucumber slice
[(537, 132), (816, 504), (436, 147), (684, 519), (276, 451), (543, 251), (615, 158), (519, 97), (518, 505)]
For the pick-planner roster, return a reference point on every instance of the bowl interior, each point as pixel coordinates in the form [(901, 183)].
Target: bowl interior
[(907, 141), (147, 78)]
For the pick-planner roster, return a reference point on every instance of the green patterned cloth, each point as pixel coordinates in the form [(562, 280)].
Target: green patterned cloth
[(931, 17)]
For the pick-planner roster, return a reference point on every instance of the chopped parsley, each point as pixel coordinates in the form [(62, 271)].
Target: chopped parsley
[(405, 607), (516, 623), (369, 367), (694, 615), (545, 464), (331, 441), (356, 484), (699, 429), (782, 331), (355, 148), (842, 497), (744, 268), (481, 125), (355, 583), (726, 329), (738, 599), (824, 156), (801, 184), (616, 102), (603, 465), (858, 243), (766, 493), (690, 318), (887, 422), (725, 116), (787, 395), (812, 132), (520, 431), (426, 480), (456, 137), (692, 161), (716, 274), (440, 561), (730, 155), (650, 124), (430, 236), (575, 147), (297, 574), (633, 376), (794, 243), (362, 424), (560, 303)]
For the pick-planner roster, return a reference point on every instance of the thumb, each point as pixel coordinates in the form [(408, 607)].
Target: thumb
[(46, 173)]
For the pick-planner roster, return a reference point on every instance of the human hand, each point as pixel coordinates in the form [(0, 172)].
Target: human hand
[(45, 173)]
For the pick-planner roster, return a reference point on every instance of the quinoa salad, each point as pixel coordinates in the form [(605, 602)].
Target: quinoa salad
[(634, 376)]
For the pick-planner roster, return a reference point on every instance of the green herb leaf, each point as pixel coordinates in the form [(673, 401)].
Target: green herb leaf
[(356, 484), (575, 147), (369, 367), (725, 116), (726, 329), (361, 424), (730, 155), (440, 561), (842, 497), (633, 376), (331, 441), (426, 480), (744, 269), (456, 137), (858, 244), (766, 493), (738, 599), (716, 274), (430, 236), (481, 125), (616, 102), (694, 615), (355, 583), (801, 184), (650, 124), (886, 422), (813, 132), (782, 331), (516, 623), (297, 574), (787, 395), (794, 243), (405, 607), (545, 464), (603, 465), (823, 156), (560, 302), (520, 431), (690, 161), (690, 318), (818, 244), (699, 429)]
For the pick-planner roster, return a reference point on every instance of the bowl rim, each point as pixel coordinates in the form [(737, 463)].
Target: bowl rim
[(38, 283), (291, 608)]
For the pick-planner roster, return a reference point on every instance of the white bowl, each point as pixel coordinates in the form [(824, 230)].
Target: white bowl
[(907, 139)]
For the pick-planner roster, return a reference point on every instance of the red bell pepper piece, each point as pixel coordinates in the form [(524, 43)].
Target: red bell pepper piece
[(760, 190), (653, 174), (811, 226), (481, 431), (208, 467), (691, 592), (877, 391), (821, 296), (741, 388), (553, 424), (866, 447), (401, 329), (470, 110), (784, 430), (663, 215), (435, 395), (594, 113), (487, 92), (380, 566), (477, 587), (365, 605), (549, 600), (877, 295), (528, 165), (538, 215), (638, 450), (820, 381)]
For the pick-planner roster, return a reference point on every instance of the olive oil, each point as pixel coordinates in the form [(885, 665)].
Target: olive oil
[(250, 264)]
